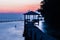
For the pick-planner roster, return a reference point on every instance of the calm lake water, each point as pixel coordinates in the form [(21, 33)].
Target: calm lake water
[(14, 30)]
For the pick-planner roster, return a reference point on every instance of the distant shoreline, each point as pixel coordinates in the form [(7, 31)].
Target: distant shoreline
[(11, 21)]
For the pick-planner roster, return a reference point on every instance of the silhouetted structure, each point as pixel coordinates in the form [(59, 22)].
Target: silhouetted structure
[(29, 19), (31, 32), (51, 13)]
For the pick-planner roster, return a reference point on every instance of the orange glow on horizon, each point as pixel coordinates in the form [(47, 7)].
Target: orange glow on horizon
[(22, 9), (24, 6)]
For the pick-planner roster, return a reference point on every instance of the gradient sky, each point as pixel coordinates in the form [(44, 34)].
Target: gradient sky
[(19, 5)]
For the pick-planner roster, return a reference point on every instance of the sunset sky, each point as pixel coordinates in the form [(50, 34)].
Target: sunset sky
[(19, 5)]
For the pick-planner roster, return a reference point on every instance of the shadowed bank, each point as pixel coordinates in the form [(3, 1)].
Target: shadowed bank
[(51, 13)]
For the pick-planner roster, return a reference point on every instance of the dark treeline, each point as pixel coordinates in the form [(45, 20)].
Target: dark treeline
[(52, 17)]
